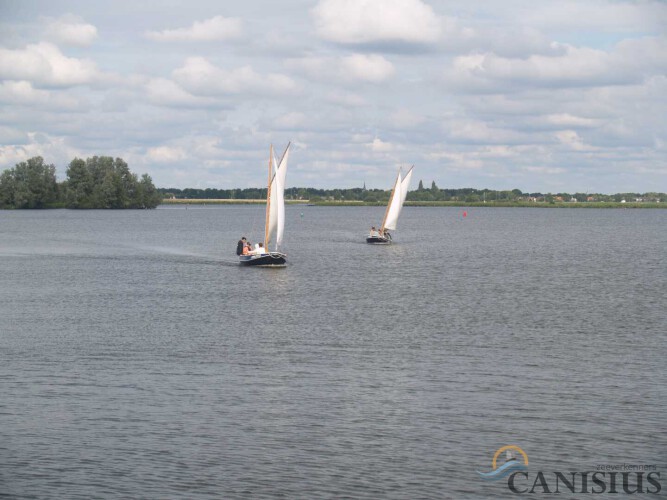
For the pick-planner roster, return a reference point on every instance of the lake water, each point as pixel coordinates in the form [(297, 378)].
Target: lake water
[(138, 360)]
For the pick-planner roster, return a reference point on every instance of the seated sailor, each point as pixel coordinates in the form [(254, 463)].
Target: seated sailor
[(373, 233), (259, 249)]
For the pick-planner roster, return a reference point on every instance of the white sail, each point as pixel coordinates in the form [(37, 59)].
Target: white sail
[(394, 208), (398, 195), (405, 185), (276, 212)]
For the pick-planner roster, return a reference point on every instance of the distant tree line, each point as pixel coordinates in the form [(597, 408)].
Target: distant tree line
[(434, 193), (97, 182)]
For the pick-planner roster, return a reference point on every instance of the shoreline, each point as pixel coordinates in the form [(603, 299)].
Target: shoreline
[(493, 204)]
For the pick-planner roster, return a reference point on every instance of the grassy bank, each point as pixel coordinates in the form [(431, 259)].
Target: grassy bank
[(590, 204)]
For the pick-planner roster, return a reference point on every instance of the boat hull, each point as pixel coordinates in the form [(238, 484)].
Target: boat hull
[(271, 259), (378, 240)]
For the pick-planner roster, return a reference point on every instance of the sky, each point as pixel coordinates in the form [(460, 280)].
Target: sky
[(537, 95)]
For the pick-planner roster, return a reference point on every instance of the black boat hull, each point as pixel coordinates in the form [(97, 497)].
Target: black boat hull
[(272, 259), (377, 240)]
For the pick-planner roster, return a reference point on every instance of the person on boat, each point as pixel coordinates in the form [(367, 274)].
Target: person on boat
[(246, 249), (374, 232), (258, 250), (240, 246)]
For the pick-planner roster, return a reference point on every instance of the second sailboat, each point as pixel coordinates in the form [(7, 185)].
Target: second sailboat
[(382, 236)]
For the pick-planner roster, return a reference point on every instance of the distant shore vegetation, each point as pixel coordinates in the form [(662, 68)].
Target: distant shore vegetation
[(433, 196), (97, 182)]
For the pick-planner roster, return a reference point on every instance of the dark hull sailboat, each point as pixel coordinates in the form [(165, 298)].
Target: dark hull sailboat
[(272, 259), (378, 240), (275, 216), (396, 200)]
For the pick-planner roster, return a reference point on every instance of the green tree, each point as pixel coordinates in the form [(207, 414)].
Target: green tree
[(421, 186), (79, 185), (149, 196), (7, 189), (34, 184)]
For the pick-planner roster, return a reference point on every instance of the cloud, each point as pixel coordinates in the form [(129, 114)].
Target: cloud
[(597, 15), (54, 149), (368, 68), (164, 92), (217, 28), (571, 139), (200, 77), (292, 120), (346, 99), (544, 170), (464, 130), (165, 154), (347, 69), (377, 22), (629, 62), (567, 120), (70, 30), (23, 93), (44, 64), (379, 146)]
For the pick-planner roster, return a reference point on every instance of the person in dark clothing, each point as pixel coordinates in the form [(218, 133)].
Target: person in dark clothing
[(240, 245)]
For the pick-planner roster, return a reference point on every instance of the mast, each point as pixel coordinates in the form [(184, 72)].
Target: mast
[(268, 202), (391, 198)]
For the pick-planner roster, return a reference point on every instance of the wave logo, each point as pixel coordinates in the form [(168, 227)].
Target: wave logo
[(511, 465)]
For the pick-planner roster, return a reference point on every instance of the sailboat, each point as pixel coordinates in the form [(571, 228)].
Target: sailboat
[(275, 216), (396, 200)]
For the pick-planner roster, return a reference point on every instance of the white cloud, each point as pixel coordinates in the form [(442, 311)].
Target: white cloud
[(571, 139), (379, 146), (597, 15), (629, 62), (544, 170), (53, 149), (70, 30), (200, 77), (164, 92), (346, 99), (44, 64), (290, 120), (377, 21), (217, 28), (471, 131), (23, 93), (165, 154), (370, 68), (568, 120)]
